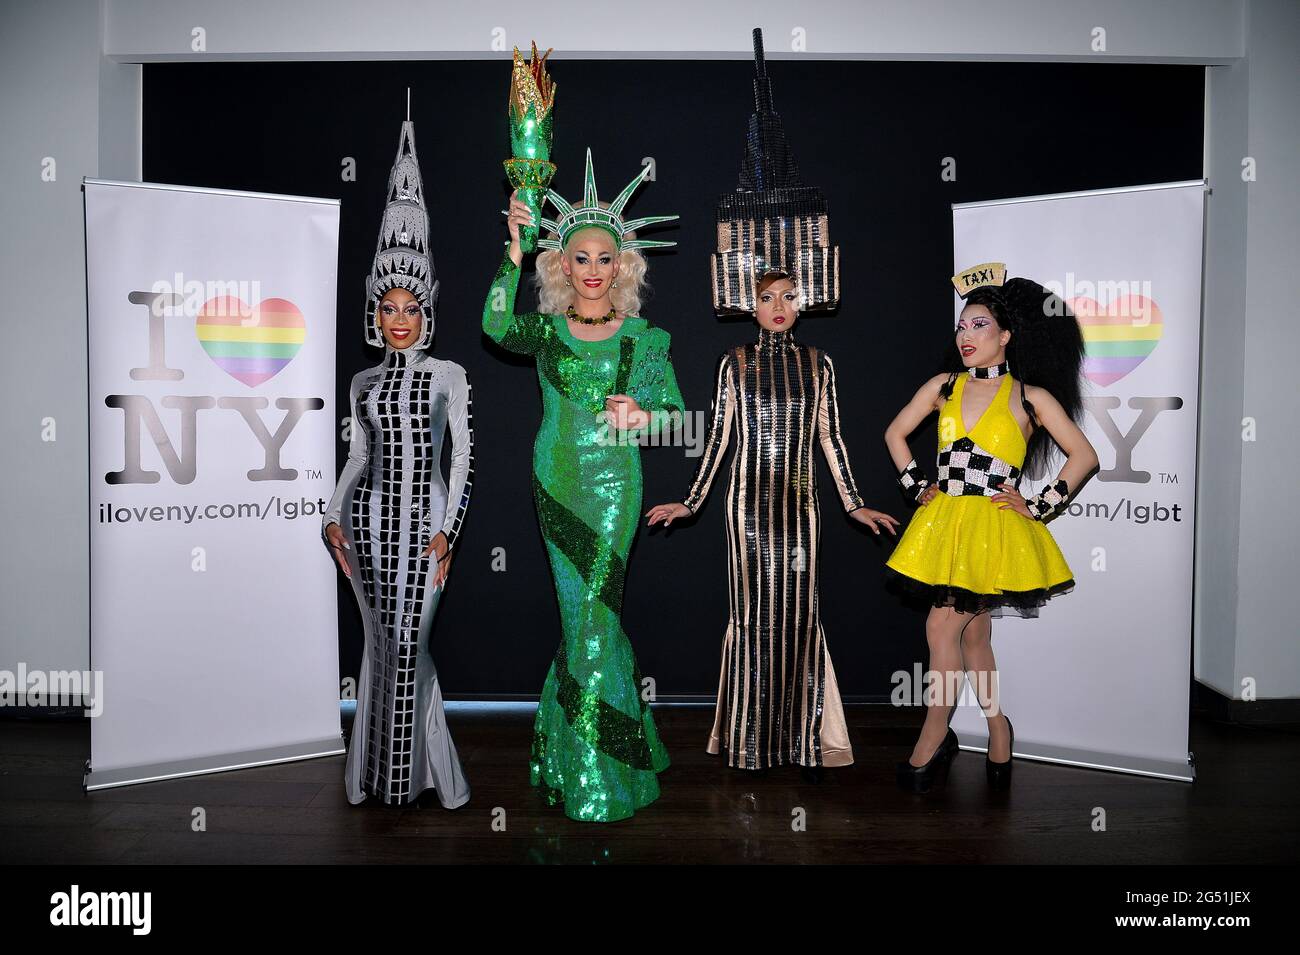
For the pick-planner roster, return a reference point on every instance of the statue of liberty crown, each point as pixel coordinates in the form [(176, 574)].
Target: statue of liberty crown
[(590, 213)]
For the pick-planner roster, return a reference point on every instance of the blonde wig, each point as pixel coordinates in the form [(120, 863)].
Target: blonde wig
[(554, 294)]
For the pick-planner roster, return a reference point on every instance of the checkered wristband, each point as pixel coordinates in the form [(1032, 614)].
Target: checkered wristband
[(1049, 501), (913, 480)]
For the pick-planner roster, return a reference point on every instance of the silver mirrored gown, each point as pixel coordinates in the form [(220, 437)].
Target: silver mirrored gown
[(390, 501)]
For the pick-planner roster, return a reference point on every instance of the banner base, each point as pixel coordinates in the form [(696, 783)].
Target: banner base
[(224, 762), (1180, 771)]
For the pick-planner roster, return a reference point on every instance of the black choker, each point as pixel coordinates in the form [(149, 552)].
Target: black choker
[(990, 371)]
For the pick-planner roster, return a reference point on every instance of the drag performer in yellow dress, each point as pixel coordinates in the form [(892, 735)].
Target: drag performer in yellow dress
[(975, 546)]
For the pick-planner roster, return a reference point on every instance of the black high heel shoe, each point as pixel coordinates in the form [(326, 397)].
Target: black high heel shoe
[(999, 774), (919, 779)]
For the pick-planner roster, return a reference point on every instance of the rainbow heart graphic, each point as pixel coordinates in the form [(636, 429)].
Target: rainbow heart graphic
[(1119, 337), (251, 345)]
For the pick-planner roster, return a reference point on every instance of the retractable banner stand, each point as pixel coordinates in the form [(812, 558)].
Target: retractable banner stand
[(213, 602), (1101, 677)]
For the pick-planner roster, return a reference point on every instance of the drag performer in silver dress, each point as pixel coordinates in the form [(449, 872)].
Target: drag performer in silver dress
[(393, 521)]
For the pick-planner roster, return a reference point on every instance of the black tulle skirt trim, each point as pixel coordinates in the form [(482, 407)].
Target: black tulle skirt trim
[(1024, 603)]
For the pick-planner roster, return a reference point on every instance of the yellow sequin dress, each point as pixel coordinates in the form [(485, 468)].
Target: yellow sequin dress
[(963, 549)]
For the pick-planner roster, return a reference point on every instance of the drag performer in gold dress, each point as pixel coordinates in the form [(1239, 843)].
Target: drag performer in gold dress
[(778, 701)]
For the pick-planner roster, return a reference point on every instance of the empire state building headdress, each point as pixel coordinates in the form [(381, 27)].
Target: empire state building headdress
[(402, 258), (772, 220)]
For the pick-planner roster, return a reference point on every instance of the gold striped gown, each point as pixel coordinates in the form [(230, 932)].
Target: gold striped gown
[(778, 701)]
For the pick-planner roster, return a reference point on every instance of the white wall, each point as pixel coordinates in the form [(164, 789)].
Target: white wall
[(1247, 526), (1267, 633), (1195, 31), (69, 89), (1223, 341), (54, 87)]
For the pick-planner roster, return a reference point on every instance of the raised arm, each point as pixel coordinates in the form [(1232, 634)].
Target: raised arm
[(460, 422), (715, 445), (828, 428), (522, 334), (358, 455)]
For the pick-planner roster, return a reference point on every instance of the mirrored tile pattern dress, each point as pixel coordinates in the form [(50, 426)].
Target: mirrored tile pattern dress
[(391, 501)]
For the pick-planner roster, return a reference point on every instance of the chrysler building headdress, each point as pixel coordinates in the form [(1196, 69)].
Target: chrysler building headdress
[(402, 257)]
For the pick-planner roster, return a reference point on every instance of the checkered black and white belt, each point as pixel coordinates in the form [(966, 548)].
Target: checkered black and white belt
[(967, 469)]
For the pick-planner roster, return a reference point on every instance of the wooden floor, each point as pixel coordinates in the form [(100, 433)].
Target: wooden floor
[(1242, 809)]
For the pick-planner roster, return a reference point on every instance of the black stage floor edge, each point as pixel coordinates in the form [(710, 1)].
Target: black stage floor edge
[(1242, 809)]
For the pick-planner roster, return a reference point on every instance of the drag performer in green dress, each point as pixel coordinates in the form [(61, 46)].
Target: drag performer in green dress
[(606, 380)]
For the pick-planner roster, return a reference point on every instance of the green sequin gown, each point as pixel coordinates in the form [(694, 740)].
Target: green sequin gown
[(595, 747)]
